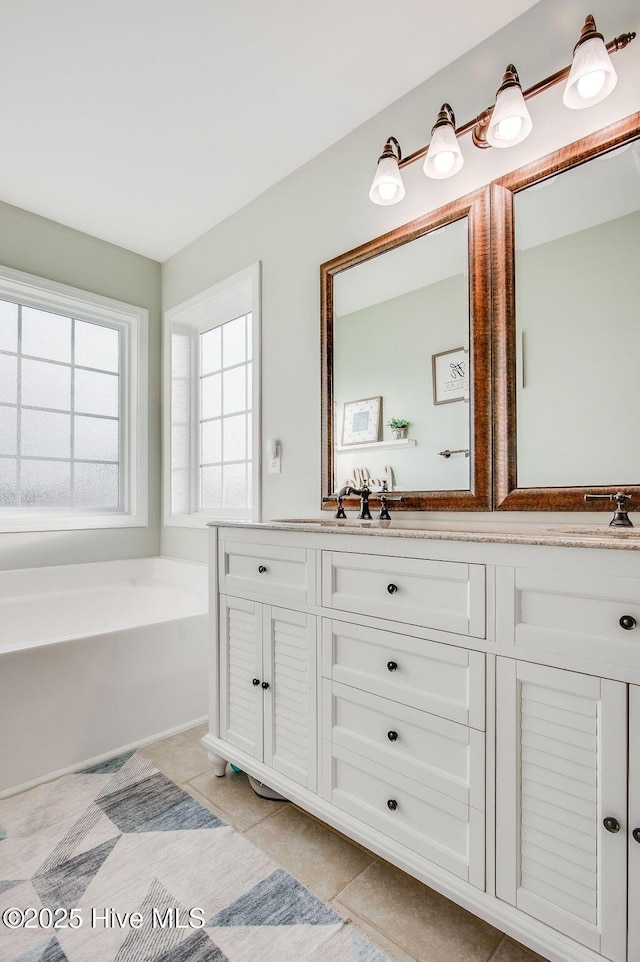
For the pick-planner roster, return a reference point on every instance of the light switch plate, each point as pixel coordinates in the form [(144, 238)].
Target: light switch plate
[(273, 465)]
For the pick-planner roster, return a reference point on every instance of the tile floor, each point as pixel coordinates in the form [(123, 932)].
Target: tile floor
[(407, 920)]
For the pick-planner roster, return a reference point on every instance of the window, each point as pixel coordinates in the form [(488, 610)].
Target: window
[(72, 407), (212, 431)]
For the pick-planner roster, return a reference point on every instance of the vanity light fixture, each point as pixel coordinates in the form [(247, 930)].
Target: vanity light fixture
[(444, 157), (510, 122), (590, 78), (387, 187)]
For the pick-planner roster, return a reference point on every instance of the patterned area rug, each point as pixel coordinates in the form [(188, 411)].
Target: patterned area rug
[(118, 863)]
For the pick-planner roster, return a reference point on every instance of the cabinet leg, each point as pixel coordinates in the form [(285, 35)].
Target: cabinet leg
[(218, 764)]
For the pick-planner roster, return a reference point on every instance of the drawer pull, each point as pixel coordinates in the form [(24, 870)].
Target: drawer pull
[(628, 622), (392, 736), (392, 804), (392, 589), (636, 834), (392, 665), (261, 569), (256, 682), (612, 825), (265, 685)]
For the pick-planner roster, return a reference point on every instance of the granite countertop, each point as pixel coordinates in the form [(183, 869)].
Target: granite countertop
[(507, 532)]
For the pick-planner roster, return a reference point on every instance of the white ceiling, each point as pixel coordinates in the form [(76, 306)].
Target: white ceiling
[(146, 122)]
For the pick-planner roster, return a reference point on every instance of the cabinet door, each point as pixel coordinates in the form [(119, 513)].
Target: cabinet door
[(634, 823), (290, 703), (561, 770), (241, 701)]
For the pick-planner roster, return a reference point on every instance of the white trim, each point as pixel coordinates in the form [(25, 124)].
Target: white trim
[(236, 295), (133, 321)]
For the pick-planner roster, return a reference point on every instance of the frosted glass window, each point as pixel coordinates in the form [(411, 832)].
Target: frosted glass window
[(95, 439), (46, 385), (8, 326), (234, 390), (234, 443), (234, 342), (211, 493), (96, 485), (8, 432), (45, 483), (45, 434), (8, 379), (96, 393), (97, 346), (211, 404), (211, 442), (8, 482), (46, 335), (234, 485), (211, 351)]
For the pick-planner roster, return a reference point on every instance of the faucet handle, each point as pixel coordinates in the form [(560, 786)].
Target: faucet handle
[(620, 517)]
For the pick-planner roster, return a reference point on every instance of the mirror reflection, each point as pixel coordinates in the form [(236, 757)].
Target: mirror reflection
[(401, 354), (577, 239)]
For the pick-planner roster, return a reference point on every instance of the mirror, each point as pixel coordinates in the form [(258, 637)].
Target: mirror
[(405, 333), (567, 328)]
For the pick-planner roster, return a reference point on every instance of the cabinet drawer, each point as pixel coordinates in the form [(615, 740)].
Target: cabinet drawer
[(268, 571), (447, 832), (570, 613), (436, 752), (436, 594), (442, 679)]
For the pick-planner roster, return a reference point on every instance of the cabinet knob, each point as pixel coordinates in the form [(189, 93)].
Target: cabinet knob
[(612, 825), (392, 665), (265, 685), (392, 589), (392, 736), (261, 569), (256, 682), (636, 834), (392, 804), (627, 622)]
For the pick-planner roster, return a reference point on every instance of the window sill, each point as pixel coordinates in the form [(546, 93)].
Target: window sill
[(19, 523)]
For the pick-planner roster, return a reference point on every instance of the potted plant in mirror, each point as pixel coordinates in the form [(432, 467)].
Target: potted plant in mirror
[(399, 428)]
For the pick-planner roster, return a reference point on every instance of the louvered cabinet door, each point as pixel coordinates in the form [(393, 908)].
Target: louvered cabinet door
[(290, 736), (241, 701), (561, 770)]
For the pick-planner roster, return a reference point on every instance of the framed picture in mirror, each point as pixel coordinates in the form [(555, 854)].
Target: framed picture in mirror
[(361, 421), (450, 370)]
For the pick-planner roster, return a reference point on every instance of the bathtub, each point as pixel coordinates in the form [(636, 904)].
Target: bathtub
[(95, 659)]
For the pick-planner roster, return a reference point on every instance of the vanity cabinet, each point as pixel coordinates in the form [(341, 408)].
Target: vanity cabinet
[(465, 707), (268, 686)]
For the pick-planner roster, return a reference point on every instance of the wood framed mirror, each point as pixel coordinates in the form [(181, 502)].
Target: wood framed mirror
[(566, 333), (405, 326)]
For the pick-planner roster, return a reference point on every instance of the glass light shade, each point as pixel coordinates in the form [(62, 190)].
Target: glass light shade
[(510, 121), (387, 187), (592, 76), (444, 157)]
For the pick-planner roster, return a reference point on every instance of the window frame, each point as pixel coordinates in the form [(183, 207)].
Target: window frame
[(233, 297), (133, 323)]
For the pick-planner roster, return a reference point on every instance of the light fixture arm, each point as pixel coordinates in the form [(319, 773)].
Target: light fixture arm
[(478, 126)]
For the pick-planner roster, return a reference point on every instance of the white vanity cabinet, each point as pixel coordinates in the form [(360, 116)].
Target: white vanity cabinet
[(465, 707)]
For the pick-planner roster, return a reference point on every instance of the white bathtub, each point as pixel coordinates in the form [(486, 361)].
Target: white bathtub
[(97, 658)]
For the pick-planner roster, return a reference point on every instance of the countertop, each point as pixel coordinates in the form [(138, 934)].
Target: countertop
[(560, 535)]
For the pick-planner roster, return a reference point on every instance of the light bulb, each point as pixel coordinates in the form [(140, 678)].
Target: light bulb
[(387, 190), (509, 128), (444, 161), (591, 84)]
